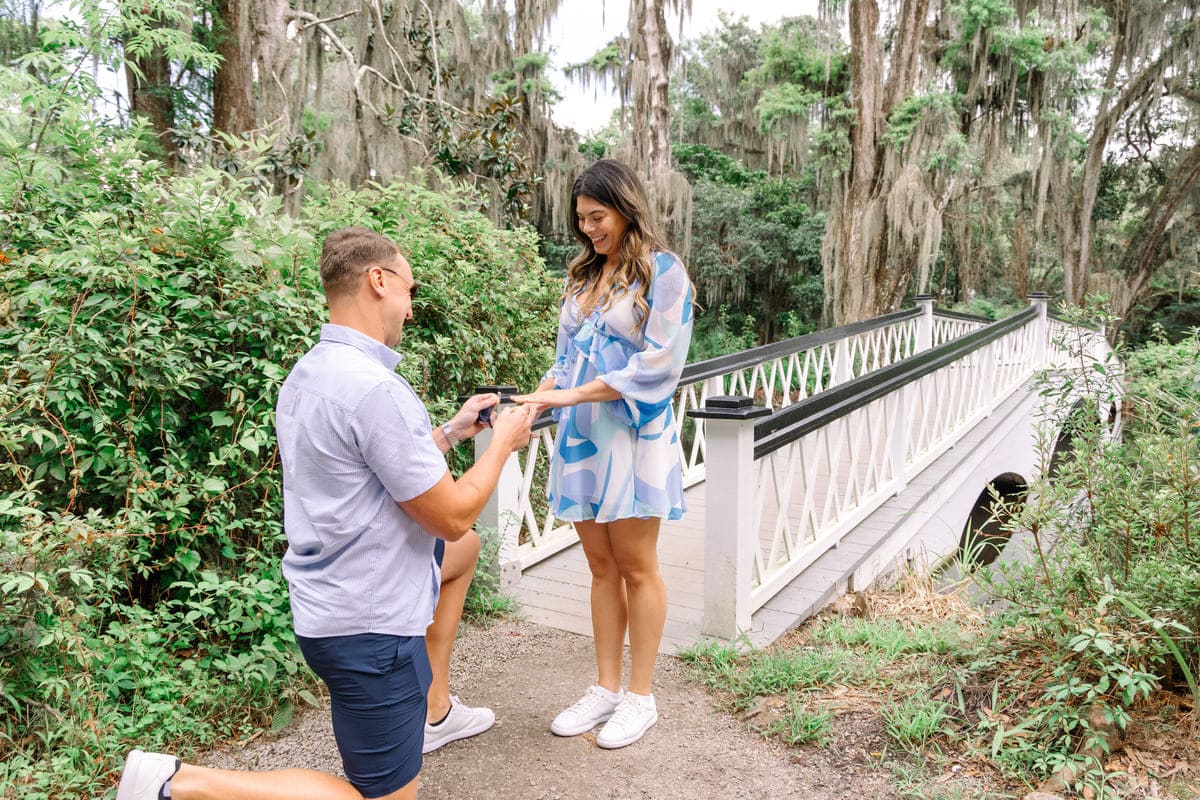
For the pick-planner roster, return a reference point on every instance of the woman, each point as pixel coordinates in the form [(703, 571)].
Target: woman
[(623, 336)]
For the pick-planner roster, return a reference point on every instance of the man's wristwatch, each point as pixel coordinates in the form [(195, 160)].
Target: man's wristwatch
[(451, 435)]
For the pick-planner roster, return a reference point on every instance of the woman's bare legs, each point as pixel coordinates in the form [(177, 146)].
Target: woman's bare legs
[(609, 615), (628, 594)]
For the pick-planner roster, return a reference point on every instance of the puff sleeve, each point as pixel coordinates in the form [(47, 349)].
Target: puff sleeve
[(647, 381)]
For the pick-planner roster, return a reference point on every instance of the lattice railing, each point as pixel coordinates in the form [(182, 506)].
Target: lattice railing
[(948, 327), (777, 375), (816, 488)]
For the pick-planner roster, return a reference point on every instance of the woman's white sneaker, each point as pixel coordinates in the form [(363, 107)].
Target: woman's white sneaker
[(633, 717), (597, 705)]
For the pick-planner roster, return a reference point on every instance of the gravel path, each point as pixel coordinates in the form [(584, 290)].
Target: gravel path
[(527, 674)]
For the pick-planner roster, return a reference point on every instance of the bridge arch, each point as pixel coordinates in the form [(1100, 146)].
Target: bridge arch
[(985, 532)]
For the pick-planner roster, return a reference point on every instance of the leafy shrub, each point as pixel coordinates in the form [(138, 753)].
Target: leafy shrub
[(1109, 613), (149, 321)]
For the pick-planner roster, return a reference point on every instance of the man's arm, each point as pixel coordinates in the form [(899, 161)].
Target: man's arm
[(450, 507)]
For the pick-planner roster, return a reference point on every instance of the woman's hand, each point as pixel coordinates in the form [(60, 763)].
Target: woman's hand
[(548, 398), (591, 392)]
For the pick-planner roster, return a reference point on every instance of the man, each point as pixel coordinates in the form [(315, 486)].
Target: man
[(367, 503)]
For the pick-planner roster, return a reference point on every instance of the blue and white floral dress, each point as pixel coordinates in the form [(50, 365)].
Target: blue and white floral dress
[(618, 459)]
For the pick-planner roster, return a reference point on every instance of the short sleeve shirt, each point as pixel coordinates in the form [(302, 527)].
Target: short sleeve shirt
[(355, 440)]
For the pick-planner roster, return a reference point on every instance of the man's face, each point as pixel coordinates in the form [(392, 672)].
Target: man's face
[(400, 288)]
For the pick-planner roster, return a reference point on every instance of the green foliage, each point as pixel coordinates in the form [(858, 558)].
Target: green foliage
[(803, 51), (701, 162), (784, 101), (803, 724), (527, 77), (756, 246), (915, 720), (150, 320), (891, 638), (485, 600), (905, 117), (1110, 611), (804, 63)]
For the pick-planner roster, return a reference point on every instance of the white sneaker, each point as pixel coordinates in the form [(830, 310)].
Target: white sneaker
[(596, 706), (633, 717), (144, 775), (462, 722)]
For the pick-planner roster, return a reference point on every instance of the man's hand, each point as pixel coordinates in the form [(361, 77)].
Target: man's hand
[(465, 422), (512, 427)]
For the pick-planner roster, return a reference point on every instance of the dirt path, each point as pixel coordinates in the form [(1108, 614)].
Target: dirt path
[(527, 673)]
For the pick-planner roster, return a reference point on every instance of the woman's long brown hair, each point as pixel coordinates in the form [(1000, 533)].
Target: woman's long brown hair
[(613, 184)]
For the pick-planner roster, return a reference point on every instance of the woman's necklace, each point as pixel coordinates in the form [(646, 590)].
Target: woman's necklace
[(599, 290)]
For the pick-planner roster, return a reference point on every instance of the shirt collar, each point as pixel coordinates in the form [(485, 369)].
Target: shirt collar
[(377, 350)]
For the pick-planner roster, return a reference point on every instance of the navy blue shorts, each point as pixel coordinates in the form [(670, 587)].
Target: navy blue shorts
[(377, 686)]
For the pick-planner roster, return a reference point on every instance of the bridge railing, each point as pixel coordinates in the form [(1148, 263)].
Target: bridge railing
[(776, 376), (796, 480)]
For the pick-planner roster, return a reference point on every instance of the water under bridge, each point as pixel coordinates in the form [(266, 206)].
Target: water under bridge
[(815, 466)]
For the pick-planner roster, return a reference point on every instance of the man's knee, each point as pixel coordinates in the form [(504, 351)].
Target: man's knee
[(461, 557)]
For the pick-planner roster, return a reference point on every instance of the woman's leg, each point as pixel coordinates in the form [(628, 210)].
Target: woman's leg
[(634, 548), (609, 615)]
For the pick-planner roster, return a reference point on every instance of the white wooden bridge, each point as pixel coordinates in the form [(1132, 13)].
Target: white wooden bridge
[(812, 467)]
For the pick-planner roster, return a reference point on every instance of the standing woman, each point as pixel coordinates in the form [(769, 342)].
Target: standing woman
[(623, 336)]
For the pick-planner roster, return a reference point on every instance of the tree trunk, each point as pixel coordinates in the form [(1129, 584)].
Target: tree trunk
[(152, 96), (1079, 238), (233, 84), (273, 52), (847, 291), (658, 70), (1148, 249), (865, 278)]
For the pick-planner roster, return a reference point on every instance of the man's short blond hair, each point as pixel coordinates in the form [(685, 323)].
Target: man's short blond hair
[(348, 253)]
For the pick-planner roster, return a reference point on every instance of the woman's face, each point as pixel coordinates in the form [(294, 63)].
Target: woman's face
[(603, 224)]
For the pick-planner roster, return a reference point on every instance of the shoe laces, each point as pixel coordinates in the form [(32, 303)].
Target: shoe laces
[(589, 701), (628, 710)]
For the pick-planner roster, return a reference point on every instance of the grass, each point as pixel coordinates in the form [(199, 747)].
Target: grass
[(803, 723), (885, 682), (914, 721)]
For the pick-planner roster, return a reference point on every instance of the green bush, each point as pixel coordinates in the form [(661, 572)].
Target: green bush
[(148, 321), (1108, 613)]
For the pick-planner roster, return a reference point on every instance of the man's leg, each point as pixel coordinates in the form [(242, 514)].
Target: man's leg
[(203, 783), (458, 567), (448, 720), (377, 688)]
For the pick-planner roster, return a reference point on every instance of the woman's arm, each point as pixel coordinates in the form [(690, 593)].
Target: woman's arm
[(549, 397)]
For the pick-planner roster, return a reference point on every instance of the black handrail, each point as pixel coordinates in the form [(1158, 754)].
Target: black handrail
[(963, 317), (790, 423), (711, 367), (702, 370)]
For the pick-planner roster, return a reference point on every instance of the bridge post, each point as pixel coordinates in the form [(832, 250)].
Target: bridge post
[(729, 522), (1041, 329), (924, 322), (502, 511)]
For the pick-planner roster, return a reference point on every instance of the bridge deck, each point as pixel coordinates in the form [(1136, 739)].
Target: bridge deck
[(556, 591)]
